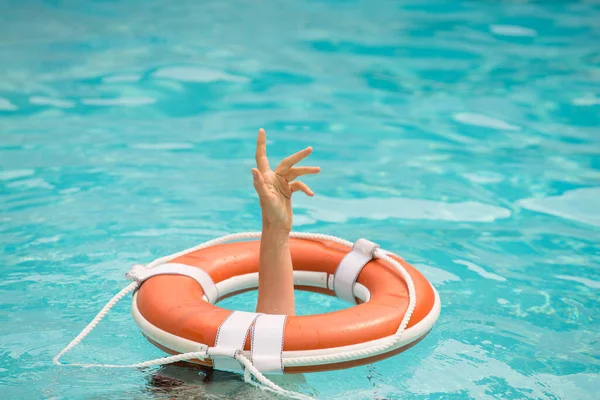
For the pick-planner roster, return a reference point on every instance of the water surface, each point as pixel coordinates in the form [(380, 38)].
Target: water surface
[(463, 135)]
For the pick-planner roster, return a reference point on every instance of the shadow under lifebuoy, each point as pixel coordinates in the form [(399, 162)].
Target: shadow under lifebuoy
[(182, 381)]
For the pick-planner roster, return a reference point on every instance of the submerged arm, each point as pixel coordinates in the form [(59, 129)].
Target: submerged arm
[(275, 273)]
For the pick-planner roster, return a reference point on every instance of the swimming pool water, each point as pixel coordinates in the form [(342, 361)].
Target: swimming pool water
[(463, 135)]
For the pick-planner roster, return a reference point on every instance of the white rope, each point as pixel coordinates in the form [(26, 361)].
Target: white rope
[(249, 369), (86, 331), (265, 384)]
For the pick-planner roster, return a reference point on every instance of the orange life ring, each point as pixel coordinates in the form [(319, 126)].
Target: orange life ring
[(173, 315)]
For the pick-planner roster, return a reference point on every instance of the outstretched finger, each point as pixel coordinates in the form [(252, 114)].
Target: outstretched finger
[(259, 182), (298, 185), (262, 162), (300, 171), (284, 167)]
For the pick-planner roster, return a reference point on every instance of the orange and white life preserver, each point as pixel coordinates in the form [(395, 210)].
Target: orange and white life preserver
[(175, 307)]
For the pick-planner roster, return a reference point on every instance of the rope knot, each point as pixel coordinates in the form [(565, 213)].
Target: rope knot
[(134, 272)]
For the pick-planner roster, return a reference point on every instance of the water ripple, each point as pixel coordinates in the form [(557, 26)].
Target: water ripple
[(480, 271), (513, 30), (198, 75), (578, 205), (48, 101), (6, 105), (585, 281), (341, 210), (15, 174), (119, 101), (484, 121)]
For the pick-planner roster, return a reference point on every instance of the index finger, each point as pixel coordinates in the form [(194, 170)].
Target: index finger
[(262, 162), (287, 164)]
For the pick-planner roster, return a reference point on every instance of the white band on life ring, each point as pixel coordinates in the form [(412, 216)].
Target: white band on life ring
[(349, 268), (231, 338), (267, 343), (139, 273)]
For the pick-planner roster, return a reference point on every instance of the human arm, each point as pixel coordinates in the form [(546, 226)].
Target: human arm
[(275, 188)]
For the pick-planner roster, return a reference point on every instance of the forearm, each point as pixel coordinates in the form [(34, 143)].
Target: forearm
[(275, 273)]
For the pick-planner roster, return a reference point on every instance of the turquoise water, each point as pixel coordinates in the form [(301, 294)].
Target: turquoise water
[(463, 135)]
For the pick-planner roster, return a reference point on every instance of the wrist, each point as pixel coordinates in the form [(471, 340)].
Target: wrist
[(275, 230)]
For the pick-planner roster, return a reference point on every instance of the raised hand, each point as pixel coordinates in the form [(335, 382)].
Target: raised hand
[(275, 188)]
